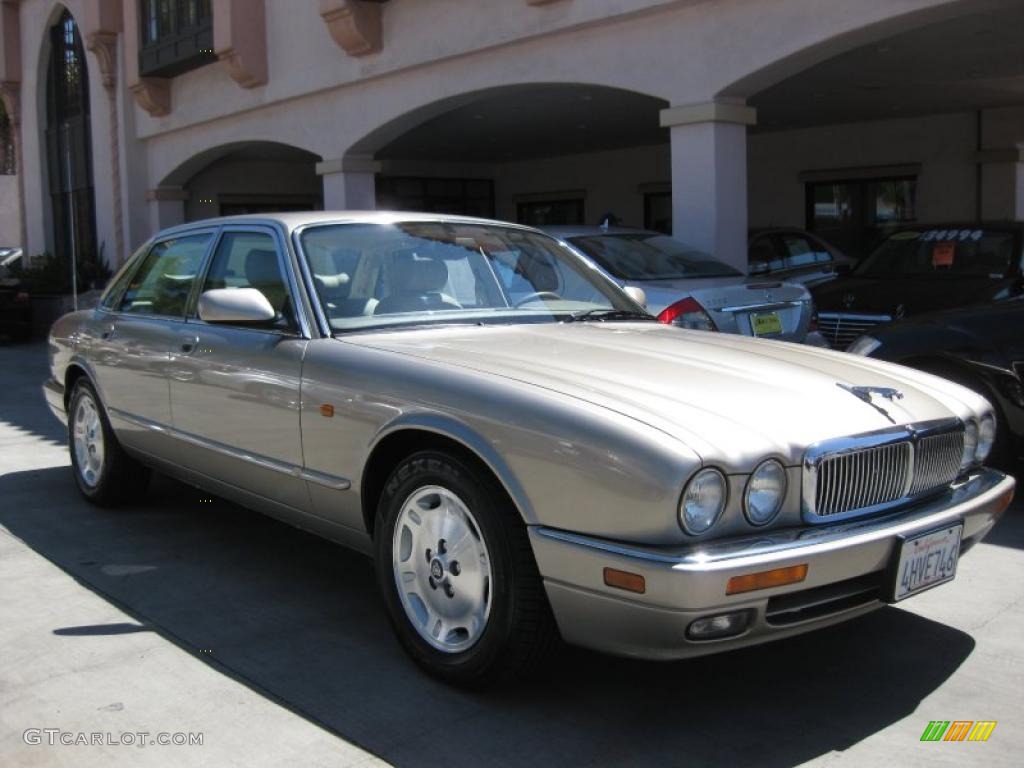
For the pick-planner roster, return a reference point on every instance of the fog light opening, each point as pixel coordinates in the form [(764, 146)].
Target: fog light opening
[(719, 627)]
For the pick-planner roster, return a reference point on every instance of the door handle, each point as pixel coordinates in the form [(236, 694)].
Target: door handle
[(188, 344)]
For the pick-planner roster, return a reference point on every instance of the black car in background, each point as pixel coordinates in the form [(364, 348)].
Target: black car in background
[(15, 301), (981, 347), (922, 269)]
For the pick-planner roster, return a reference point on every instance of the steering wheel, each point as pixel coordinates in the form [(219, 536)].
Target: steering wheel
[(534, 296)]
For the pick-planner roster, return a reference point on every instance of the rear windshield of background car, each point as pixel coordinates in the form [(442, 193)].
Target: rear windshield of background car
[(643, 256), (957, 252)]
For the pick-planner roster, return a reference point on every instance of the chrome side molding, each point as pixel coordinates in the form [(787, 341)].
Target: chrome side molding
[(333, 482)]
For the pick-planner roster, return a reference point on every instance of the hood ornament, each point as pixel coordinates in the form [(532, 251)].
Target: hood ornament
[(866, 393)]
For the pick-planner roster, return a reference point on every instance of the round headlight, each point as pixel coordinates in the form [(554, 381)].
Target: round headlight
[(970, 443), (765, 490), (703, 501), (986, 437)]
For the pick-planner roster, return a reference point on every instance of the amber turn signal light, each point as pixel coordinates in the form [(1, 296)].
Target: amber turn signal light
[(631, 582), (1003, 503), (327, 410), (765, 579)]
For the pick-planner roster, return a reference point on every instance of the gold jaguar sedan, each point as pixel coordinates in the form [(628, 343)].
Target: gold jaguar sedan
[(524, 451)]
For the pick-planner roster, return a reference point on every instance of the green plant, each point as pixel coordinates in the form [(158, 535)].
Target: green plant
[(48, 273)]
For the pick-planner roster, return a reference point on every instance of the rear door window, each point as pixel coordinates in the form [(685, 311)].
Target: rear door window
[(802, 252), (163, 282)]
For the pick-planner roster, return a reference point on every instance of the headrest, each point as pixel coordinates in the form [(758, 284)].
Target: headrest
[(539, 272), (420, 274), (333, 281), (261, 267)]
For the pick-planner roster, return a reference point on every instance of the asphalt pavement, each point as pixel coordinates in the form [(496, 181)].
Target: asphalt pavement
[(183, 615)]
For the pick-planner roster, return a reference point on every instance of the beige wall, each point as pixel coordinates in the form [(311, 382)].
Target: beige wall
[(611, 181), (944, 146), (323, 100), (249, 179)]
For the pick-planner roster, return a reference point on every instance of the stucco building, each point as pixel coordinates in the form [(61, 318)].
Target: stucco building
[(703, 116)]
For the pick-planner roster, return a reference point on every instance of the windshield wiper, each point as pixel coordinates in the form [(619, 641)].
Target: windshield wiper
[(602, 314)]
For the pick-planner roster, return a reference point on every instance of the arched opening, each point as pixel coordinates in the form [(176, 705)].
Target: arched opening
[(69, 148), (536, 153), (919, 124), (247, 177)]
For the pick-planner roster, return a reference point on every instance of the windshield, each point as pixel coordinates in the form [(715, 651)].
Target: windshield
[(648, 256), (371, 276), (942, 253)]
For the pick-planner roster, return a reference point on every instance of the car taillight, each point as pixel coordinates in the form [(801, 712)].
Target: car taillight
[(21, 298), (687, 313)]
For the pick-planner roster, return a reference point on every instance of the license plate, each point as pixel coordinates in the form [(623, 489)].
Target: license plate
[(927, 561), (766, 323)]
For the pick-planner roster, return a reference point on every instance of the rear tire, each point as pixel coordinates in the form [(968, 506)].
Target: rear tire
[(457, 573), (105, 474)]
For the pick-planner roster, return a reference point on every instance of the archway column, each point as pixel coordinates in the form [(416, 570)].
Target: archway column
[(166, 207), (709, 177), (349, 183)]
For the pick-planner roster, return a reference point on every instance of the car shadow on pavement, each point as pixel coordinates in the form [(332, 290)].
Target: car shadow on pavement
[(21, 399), (297, 619)]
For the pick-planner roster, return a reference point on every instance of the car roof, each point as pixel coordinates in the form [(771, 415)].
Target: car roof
[(582, 230), (294, 220)]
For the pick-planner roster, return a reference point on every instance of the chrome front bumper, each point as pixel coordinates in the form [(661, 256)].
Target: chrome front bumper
[(848, 567)]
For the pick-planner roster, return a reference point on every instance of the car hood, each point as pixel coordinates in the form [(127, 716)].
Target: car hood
[(872, 296), (731, 399)]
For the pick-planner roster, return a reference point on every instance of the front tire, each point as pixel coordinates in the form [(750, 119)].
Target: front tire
[(457, 573), (105, 474)]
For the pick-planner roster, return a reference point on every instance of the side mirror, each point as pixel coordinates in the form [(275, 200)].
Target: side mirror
[(235, 305), (636, 294)]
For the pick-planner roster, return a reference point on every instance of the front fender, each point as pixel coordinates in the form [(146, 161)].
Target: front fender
[(463, 434)]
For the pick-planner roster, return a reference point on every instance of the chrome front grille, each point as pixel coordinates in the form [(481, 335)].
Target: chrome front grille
[(863, 478), (858, 475), (937, 461), (842, 329)]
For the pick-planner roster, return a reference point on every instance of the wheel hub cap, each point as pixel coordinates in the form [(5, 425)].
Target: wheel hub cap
[(442, 569), (87, 440)]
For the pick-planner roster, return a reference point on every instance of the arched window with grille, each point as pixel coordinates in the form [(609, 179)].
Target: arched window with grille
[(8, 165), (69, 144)]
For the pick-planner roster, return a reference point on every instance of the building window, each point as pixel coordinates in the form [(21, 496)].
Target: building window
[(176, 35), (854, 214), (8, 166), (658, 212), (541, 213), (69, 146), (465, 197)]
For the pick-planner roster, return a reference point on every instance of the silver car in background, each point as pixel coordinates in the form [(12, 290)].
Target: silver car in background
[(524, 453), (691, 289)]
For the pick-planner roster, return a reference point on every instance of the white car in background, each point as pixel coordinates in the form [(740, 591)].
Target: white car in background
[(688, 288)]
